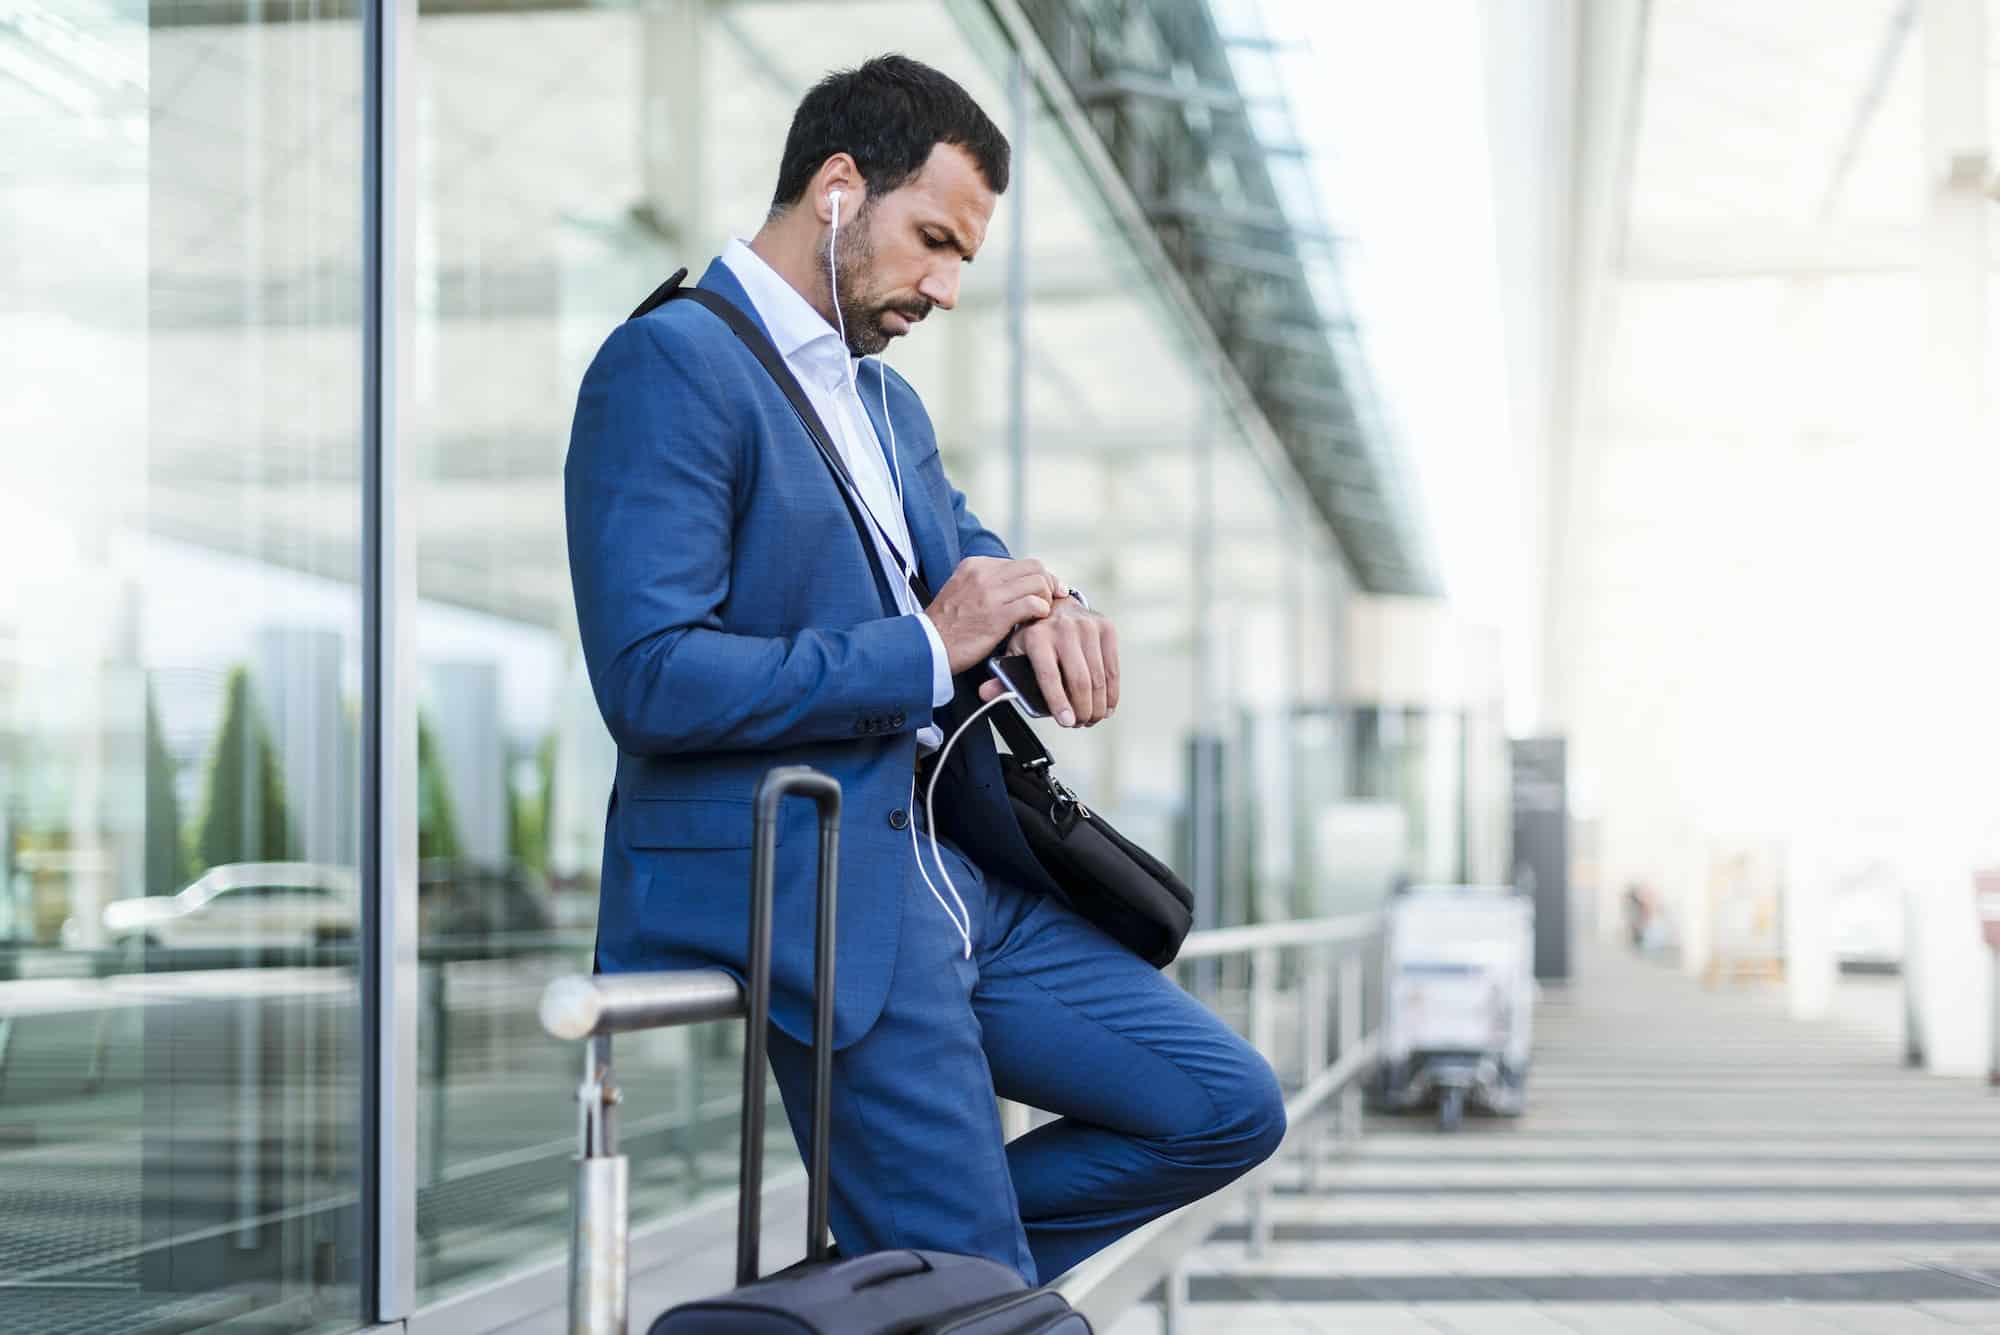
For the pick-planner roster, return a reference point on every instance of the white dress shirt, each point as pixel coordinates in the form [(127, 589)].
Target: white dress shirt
[(820, 360)]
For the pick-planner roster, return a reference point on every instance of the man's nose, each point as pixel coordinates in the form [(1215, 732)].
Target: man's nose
[(940, 287)]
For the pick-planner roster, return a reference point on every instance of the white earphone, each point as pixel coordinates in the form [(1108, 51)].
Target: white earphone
[(962, 919)]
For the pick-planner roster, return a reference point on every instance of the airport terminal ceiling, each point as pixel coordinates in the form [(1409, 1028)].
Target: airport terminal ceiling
[(495, 282)]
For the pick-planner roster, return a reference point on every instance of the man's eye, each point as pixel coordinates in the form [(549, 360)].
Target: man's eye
[(934, 242)]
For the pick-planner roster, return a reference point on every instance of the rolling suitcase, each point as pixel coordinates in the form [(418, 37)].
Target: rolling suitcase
[(883, 1293)]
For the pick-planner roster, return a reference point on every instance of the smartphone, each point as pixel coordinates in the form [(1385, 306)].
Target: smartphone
[(1017, 673)]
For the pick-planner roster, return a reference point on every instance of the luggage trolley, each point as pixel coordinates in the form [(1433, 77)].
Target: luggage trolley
[(1458, 1001)]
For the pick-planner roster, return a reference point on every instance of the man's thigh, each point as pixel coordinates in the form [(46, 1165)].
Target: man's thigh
[(917, 1155), (1075, 1024)]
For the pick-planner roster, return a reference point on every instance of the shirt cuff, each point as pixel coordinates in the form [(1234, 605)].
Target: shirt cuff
[(941, 688)]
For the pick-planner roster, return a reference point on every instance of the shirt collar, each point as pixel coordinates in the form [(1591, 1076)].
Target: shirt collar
[(797, 330)]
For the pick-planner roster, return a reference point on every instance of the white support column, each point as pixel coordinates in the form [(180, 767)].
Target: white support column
[(1948, 488), (1610, 37), (673, 110), (1021, 93), (465, 713)]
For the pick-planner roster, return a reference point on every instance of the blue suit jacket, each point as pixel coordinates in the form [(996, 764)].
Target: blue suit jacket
[(731, 621)]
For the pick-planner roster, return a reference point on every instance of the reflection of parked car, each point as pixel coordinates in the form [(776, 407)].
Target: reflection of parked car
[(243, 904), (457, 900)]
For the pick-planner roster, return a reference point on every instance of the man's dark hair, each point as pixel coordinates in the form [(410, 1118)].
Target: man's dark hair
[(887, 116)]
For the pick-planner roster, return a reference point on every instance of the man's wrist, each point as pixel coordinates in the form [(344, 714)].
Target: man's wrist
[(941, 684)]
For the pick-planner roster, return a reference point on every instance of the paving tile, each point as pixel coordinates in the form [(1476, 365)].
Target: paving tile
[(1624, 1319), (1973, 1312), (1139, 1319), (1284, 1319), (1756, 1318), (1495, 1319), (1886, 1319)]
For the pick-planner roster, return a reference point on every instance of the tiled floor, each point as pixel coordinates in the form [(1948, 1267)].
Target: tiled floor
[(1691, 1161)]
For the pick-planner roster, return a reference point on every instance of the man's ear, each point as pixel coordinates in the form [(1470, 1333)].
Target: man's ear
[(837, 173)]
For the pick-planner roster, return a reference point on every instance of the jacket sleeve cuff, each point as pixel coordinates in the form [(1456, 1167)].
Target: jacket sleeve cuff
[(941, 687)]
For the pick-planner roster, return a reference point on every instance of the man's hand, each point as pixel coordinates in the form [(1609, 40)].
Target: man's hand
[(1075, 653), (984, 599)]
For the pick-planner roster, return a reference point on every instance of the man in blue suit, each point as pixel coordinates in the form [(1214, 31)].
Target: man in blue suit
[(733, 619)]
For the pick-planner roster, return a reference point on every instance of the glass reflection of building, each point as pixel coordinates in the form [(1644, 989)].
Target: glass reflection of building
[(183, 778)]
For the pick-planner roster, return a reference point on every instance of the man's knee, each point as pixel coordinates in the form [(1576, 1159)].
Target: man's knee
[(1249, 1121), (1257, 1126)]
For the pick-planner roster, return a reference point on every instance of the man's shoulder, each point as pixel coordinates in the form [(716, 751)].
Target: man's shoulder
[(682, 324), (678, 343)]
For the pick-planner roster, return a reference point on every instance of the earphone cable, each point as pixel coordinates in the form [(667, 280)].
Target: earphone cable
[(930, 820)]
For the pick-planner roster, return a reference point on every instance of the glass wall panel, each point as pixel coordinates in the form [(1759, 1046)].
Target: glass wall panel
[(1315, 717), (1116, 402), (534, 232), (1256, 550), (179, 666)]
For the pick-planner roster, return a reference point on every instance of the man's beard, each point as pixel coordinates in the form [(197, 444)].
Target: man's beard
[(860, 313)]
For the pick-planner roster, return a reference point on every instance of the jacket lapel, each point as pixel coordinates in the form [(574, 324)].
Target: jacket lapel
[(927, 525)]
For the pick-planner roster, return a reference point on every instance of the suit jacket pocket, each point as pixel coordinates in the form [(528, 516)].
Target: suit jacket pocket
[(688, 822)]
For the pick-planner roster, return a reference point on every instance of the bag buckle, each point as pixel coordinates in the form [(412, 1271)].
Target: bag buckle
[(1064, 797)]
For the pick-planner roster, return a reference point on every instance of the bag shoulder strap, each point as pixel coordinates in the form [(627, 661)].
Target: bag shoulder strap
[(1021, 741)]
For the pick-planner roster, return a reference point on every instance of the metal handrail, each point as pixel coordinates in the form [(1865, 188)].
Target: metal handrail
[(592, 1008), (587, 1006), (1355, 927)]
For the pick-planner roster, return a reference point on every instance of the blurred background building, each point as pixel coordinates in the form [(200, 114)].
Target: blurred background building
[(1469, 413)]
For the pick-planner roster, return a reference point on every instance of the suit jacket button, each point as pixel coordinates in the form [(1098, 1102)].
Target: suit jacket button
[(897, 720), (899, 819)]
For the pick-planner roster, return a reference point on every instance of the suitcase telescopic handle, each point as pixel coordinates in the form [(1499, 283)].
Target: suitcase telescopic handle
[(777, 784)]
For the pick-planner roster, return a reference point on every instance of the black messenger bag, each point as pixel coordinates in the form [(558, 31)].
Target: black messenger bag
[(1129, 894)]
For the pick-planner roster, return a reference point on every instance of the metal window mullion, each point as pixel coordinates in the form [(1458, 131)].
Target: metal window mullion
[(388, 979), (1021, 94)]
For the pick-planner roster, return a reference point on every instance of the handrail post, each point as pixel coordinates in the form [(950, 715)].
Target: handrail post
[(1263, 997), (1174, 1300), (1312, 1050), (598, 1243), (1349, 1018), (1263, 1027)]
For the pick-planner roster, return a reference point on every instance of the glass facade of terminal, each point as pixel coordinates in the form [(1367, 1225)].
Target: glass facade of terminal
[(190, 1053)]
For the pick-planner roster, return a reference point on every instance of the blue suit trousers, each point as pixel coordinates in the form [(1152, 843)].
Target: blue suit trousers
[(1159, 1103)]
